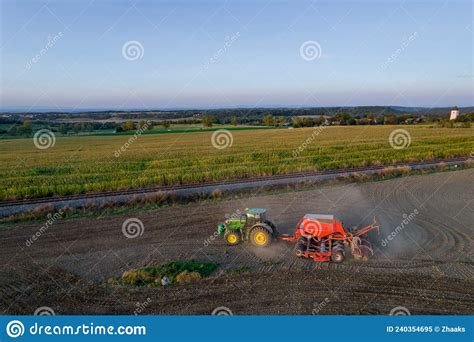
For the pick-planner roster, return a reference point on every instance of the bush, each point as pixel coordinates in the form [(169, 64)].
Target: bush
[(177, 271), (187, 277), (137, 277)]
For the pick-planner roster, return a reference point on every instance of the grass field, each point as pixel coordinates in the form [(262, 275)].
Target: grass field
[(88, 164)]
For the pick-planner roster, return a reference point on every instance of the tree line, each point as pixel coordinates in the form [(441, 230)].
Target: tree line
[(25, 127)]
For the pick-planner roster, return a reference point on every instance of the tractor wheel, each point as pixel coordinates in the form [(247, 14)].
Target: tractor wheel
[(337, 257), (274, 230), (260, 236), (232, 237), (300, 247)]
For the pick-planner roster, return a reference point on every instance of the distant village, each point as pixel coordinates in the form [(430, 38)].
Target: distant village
[(13, 124)]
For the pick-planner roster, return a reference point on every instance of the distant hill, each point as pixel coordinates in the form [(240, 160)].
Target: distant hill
[(245, 115), (432, 111)]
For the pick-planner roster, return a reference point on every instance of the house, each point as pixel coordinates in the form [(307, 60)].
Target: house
[(454, 113)]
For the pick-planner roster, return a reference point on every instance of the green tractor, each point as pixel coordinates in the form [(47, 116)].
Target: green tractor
[(251, 225)]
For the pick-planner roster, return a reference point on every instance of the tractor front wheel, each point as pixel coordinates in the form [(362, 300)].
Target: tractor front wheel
[(260, 236), (232, 237)]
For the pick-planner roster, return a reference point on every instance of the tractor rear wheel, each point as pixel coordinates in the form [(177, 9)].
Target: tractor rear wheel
[(337, 257), (260, 236), (274, 230), (232, 237)]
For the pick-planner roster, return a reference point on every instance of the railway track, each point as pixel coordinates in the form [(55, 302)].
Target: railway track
[(15, 206)]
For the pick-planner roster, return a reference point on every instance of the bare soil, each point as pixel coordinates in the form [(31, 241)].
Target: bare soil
[(426, 267)]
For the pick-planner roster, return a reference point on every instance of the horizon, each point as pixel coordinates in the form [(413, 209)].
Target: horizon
[(206, 55), (125, 110)]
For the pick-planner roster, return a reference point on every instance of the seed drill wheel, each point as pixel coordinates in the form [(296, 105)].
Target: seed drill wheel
[(232, 237), (337, 257), (300, 247), (260, 236)]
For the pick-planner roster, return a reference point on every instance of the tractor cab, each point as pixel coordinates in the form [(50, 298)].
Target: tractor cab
[(248, 216), (256, 215)]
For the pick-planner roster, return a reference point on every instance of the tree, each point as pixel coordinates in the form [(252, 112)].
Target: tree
[(128, 126), (390, 120), (233, 121), (13, 131), (77, 128), (268, 120), (207, 121), (141, 124), (343, 118), (279, 121), (166, 124), (319, 121), (62, 129), (27, 124), (25, 128), (297, 122)]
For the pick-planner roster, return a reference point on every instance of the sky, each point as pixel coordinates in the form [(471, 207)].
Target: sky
[(122, 55)]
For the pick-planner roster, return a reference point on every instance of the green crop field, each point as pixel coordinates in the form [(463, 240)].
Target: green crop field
[(91, 163)]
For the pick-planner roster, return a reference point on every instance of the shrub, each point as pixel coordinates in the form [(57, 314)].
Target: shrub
[(187, 277), (137, 277), (177, 271)]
